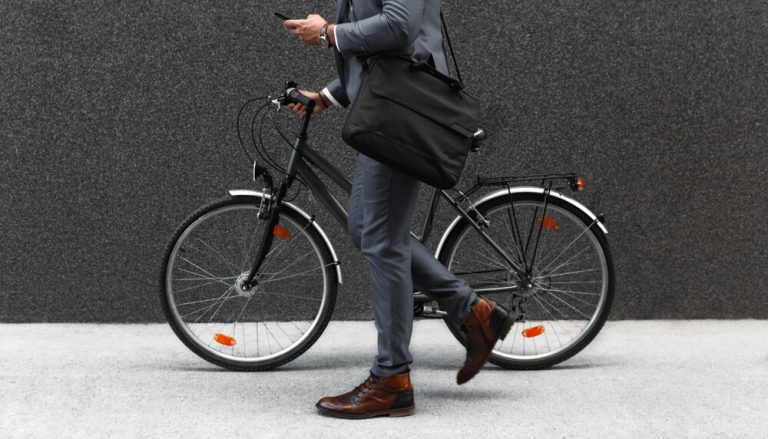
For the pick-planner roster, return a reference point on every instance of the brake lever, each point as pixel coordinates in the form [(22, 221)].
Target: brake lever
[(277, 102)]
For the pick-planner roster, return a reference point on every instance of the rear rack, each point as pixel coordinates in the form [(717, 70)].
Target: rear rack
[(573, 181)]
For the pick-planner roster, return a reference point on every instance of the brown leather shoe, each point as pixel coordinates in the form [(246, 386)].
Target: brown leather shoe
[(376, 396), (486, 324)]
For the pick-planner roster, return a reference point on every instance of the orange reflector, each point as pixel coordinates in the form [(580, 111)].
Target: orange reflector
[(281, 232), (224, 339), (548, 222), (580, 182), (533, 331)]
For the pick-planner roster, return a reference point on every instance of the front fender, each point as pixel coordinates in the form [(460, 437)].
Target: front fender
[(252, 193)]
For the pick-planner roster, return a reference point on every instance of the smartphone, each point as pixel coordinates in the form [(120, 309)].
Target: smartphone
[(281, 16)]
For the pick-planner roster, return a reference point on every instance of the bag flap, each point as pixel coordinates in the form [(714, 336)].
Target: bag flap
[(394, 79)]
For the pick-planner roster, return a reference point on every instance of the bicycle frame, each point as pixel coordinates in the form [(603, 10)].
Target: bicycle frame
[(299, 164)]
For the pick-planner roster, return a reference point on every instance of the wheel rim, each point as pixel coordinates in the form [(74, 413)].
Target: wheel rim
[(551, 302), (208, 263)]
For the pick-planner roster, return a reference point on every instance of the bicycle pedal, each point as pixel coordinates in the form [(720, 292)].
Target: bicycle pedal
[(432, 312)]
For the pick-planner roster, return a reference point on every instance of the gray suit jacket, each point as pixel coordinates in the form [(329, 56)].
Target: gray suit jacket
[(367, 27)]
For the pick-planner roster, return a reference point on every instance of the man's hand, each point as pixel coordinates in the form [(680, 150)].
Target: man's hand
[(306, 30), (320, 104)]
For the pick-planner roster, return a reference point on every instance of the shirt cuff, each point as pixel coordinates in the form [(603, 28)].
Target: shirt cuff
[(335, 40), (330, 97)]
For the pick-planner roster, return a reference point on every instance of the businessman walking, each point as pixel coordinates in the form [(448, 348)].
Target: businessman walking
[(381, 207)]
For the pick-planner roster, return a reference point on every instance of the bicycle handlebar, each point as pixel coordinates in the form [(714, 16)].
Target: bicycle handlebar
[(295, 95)]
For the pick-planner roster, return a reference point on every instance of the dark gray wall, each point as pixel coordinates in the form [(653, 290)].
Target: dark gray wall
[(117, 120)]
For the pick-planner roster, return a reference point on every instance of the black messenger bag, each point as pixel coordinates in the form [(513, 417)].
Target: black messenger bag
[(414, 119)]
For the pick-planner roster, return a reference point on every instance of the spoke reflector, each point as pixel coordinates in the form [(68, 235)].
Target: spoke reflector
[(224, 339), (548, 222), (533, 331), (281, 232)]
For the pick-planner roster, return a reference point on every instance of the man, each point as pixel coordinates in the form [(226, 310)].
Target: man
[(381, 206)]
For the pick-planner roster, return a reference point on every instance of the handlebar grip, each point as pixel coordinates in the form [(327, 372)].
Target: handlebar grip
[(296, 96)]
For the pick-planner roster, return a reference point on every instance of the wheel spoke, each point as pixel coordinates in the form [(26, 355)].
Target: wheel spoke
[(516, 228), (218, 253), (551, 316), (211, 275), (289, 266), (222, 298), (569, 305), (293, 296), (567, 261), (493, 262), (567, 273), (483, 274), (576, 282), (569, 291), (195, 287), (565, 318), (568, 246)]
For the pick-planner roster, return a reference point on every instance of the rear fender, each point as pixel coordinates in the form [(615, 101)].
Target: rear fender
[(517, 190)]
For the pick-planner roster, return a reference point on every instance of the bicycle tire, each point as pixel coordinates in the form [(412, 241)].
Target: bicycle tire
[(463, 227), (324, 313)]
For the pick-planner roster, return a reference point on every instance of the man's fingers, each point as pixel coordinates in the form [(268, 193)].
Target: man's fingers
[(292, 24), (297, 108)]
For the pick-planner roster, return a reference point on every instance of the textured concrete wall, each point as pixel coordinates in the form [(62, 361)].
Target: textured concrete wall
[(117, 120)]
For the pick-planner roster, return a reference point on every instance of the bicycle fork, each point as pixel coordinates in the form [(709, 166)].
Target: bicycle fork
[(275, 206)]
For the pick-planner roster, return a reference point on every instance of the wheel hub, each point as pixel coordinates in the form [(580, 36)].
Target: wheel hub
[(240, 282), (526, 284)]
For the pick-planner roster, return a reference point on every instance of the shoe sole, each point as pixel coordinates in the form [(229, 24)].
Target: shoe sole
[(404, 411), (501, 322)]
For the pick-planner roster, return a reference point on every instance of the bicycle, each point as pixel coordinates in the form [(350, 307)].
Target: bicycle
[(241, 306)]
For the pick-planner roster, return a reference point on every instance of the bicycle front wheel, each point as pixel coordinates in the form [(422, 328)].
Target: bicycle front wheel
[(566, 285), (272, 323)]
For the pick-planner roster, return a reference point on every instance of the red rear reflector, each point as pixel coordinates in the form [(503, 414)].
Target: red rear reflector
[(281, 232), (533, 331), (224, 339), (580, 182), (548, 222)]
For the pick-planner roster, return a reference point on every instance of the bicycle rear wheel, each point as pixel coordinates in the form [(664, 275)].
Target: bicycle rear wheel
[(567, 288), (272, 323)]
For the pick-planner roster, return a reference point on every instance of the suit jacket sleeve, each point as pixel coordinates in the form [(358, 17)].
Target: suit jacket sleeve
[(337, 93), (395, 27)]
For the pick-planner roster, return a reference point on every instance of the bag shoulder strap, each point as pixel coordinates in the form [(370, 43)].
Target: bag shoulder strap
[(450, 46)]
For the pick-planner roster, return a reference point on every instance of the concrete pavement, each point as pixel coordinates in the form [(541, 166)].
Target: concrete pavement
[(653, 379)]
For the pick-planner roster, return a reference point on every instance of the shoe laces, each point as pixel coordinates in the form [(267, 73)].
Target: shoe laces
[(366, 385)]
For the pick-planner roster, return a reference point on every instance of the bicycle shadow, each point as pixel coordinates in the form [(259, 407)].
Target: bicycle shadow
[(450, 362), (463, 393)]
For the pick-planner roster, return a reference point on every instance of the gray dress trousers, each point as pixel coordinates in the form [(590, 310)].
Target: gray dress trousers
[(381, 208)]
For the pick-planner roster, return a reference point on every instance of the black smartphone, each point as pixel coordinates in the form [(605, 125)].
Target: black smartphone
[(281, 16)]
